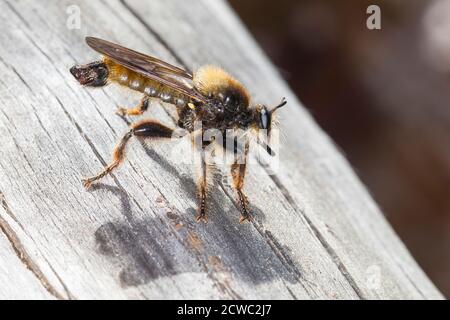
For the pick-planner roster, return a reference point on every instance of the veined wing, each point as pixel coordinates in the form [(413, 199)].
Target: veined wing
[(176, 78)]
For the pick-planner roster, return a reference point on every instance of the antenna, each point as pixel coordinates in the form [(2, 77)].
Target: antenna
[(282, 103)]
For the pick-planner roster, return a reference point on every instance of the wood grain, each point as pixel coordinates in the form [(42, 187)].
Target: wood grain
[(316, 234)]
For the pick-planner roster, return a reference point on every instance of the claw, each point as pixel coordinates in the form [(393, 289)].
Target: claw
[(87, 183), (121, 111), (243, 218), (201, 218)]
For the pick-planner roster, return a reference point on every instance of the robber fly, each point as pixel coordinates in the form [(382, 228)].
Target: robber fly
[(209, 95)]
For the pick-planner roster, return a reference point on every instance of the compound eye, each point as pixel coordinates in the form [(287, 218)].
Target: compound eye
[(230, 101), (264, 119)]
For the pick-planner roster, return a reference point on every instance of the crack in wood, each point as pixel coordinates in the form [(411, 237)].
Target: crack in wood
[(156, 35), (69, 294), (21, 252), (333, 255), (22, 19), (274, 245)]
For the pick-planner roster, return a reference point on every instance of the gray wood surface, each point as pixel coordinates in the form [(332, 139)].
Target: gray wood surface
[(316, 233)]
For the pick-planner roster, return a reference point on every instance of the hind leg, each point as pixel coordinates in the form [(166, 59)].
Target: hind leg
[(147, 129)]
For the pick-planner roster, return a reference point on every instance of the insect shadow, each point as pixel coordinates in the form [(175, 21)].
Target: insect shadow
[(154, 247)]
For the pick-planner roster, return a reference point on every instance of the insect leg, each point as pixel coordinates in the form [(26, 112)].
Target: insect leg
[(201, 186), (238, 169), (143, 129), (135, 111)]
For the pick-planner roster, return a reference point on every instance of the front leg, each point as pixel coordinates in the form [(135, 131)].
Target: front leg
[(202, 185), (238, 170), (135, 111)]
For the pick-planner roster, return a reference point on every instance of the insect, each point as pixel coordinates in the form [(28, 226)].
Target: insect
[(209, 96)]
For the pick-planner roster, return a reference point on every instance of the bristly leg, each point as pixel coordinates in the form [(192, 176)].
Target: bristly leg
[(238, 174), (118, 157), (143, 129), (135, 111), (201, 187), (243, 202)]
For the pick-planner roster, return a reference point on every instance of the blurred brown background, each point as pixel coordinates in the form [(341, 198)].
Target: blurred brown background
[(382, 95)]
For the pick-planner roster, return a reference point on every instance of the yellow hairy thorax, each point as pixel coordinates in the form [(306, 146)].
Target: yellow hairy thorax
[(211, 79)]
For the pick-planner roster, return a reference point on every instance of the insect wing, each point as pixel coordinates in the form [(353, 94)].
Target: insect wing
[(153, 68)]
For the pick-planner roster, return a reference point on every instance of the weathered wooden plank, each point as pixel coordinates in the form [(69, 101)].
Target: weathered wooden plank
[(19, 277), (340, 210), (316, 232)]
